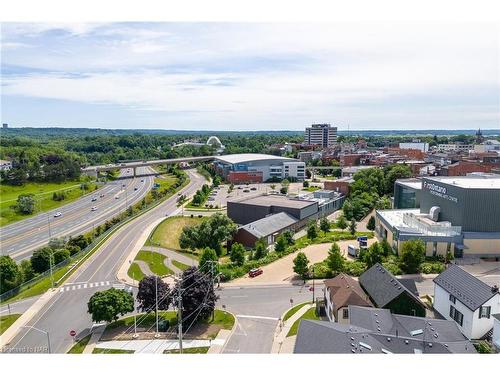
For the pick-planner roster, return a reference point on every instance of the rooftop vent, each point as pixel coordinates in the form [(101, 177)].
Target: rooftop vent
[(353, 350), (385, 351), (494, 289), (388, 339), (416, 332), (430, 345), (406, 342)]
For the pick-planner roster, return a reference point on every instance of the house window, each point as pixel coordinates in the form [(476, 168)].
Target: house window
[(484, 312), (453, 299), (456, 315), (345, 314)]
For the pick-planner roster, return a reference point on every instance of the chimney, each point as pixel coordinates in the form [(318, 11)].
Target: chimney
[(494, 289)]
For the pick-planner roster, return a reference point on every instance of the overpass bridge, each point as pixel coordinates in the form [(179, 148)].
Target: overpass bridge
[(94, 170)]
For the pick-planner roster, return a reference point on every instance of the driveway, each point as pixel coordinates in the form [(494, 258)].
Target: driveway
[(281, 271)]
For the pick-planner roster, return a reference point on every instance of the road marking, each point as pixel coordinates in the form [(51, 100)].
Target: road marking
[(73, 288), (79, 286), (256, 317), (84, 286), (102, 283)]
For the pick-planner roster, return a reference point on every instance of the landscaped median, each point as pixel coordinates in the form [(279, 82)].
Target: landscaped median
[(118, 337), (6, 321)]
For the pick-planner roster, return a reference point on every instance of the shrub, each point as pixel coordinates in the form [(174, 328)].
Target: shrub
[(432, 267), (355, 268), (61, 255), (321, 271)]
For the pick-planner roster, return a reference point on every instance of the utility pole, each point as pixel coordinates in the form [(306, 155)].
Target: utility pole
[(179, 317), (156, 305)]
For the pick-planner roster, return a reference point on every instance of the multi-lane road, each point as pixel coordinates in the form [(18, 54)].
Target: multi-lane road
[(20, 239), (67, 310)]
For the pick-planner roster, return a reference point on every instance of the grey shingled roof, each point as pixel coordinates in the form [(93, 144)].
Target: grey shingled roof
[(439, 336), (382, 286), (270, 224), (468, 289)]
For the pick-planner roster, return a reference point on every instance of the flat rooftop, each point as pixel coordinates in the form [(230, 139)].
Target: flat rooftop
[(274, 200), (470, 182), (243, 158), (413, 183)]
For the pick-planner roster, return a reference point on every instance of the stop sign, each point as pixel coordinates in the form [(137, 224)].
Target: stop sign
[(72, 333)]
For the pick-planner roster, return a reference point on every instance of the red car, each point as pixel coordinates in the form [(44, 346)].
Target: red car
[(255, 272)]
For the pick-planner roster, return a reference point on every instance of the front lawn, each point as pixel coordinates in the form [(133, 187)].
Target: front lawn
[(167, 233), (309, 314), (6, 321), (143, 320)]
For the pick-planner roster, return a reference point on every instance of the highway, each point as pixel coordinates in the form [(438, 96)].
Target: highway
[(20, 239), (67, 310)]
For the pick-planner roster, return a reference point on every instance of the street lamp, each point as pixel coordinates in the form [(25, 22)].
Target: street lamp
[(41, 331)]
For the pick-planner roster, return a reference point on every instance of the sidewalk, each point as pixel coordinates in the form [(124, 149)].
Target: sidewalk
[(281, 343), (94, 339), (156, 346)]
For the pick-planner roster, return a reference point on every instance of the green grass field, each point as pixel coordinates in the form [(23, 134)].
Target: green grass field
[(155, 262), (6, 321), (135, 272), (293, 310), (80, 345), (144, 320), (180, 265), (111, 351), (199, 350), (43, 193), (167, 233), (309, 314)]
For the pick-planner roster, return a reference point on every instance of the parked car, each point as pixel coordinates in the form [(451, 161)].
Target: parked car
[(352, 251), (57, 214), (136, 188), (254, 272)]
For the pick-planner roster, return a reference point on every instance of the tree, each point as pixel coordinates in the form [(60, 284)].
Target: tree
[(146, 295), (26, 270), (237, 255), (386, 248), (198, 296), (26, 203), (342, 222), (352, 227), (312, 230), (109, 305), (80, 241), (209, 233), (412, 255), (373, 255), (324, 225), (41, 259), (301, 265), (288, 235), (371, 223), (281, 244), (335, 260), (61, 255), (259, 250), (56, 243), (10, 274), (209, 261), (393, 173), (305, 184)]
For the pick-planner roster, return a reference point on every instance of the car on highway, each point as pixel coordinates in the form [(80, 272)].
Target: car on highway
[(123, 185), (136, 188), (253, 188), (254, 272), (94, 208), (117, 197), (246, 191), (94, 199), (57, 214), (240, 187), (142, 180), (101, 196)]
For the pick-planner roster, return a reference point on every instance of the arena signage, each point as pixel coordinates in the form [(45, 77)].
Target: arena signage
[(439, 191)]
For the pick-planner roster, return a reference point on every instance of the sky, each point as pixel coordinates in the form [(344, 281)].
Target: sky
[(251, 76)]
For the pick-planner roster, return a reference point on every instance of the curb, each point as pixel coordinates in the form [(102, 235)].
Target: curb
[(231, 333)]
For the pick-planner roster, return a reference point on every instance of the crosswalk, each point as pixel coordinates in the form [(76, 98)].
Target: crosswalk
[(97, 284)]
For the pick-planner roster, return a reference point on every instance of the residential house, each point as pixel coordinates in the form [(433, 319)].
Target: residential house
[(378, 331), (341, 292), (390, 293), (463, 298)]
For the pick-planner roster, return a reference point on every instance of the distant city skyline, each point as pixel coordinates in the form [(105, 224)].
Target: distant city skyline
[(249, 76)]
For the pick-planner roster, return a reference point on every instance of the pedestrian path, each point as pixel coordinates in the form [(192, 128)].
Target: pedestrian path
[(282, 343), (97, 284), (156, 346)]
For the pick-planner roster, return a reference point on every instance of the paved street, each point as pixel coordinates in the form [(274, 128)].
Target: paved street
[(68, 311), (257, 310), (20, 239)]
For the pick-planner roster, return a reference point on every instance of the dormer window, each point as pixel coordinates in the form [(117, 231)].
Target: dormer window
[(484, 312)]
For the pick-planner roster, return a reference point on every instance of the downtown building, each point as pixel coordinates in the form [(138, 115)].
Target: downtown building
[(322, 135), (460, 215)]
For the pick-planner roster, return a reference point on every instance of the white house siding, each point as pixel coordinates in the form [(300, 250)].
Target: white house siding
[(496, 333), (472, 327), (329, 306)]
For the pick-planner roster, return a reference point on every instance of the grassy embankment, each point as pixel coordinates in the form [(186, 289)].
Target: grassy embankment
[(43, 195), (309, 314)]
